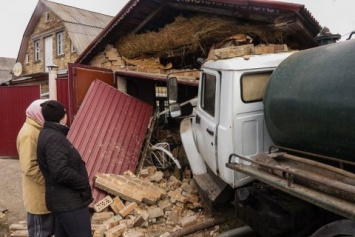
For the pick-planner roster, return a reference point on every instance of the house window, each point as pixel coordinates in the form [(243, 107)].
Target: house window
[(60, 43), (72, 47), (27, 60), (47, 16), (37, 50)]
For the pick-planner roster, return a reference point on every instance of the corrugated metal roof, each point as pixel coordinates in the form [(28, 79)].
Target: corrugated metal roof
[(81, 35), (78, 16), (83, 25), (6, 65), (109, 130), (150, 15)]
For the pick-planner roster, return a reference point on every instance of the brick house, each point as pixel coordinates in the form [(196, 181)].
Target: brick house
[(55, 35)]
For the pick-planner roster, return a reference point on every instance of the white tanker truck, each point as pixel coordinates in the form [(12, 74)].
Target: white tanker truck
[(275, 134)]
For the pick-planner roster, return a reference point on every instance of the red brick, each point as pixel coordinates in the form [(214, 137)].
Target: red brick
[(117, 205), (128, 209)]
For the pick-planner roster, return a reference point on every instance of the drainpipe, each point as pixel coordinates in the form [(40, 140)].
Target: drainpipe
[(52, 84)]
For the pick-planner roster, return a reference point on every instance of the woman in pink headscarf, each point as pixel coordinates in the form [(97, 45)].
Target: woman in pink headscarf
[(40, 221)]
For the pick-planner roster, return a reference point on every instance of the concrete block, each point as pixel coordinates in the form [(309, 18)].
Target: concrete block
[(173, 216), (176, 195), (103, 203), (133, 233), (165, 204), (157, 177), (116, 231), (173, 183), (96, 226), (99, 217), (129, 223), (100, 232), (141, 212), (233, 51), (191, 197), (188, 221), (112, 222), (138, 221), (166, 234), (112, 56), (18, 226), (19, 233), (155, 212)]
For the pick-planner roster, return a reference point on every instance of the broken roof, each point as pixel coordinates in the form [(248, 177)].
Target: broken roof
[(150, 15), (82, 25)]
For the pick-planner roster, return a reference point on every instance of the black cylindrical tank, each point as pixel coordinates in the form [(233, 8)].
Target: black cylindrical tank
[(310, 101)]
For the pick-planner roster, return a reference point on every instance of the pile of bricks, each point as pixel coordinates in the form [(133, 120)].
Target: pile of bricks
[(111, 59), (244, 50), (135, 204)]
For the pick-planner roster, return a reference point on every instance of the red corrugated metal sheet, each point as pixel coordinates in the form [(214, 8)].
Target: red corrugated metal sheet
[(109, 131), (62, 93), (13, 105)]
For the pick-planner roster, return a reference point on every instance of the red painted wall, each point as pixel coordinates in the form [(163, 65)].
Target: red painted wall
[(13, 104)]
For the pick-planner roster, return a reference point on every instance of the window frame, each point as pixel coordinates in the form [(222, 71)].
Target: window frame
[(60, 43), (37, 50), (72, 47), (47, 17)]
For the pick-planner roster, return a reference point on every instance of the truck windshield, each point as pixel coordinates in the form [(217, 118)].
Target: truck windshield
[(253, 86)]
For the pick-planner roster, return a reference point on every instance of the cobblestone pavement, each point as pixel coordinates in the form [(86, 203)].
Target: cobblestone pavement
[(11, 191)]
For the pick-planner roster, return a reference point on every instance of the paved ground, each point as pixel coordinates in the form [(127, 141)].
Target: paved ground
[(11, 190)]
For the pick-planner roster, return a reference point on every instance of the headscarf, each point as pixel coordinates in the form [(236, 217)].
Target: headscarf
[(34, 111)]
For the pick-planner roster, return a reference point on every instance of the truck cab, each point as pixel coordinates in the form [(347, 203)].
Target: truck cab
[(228, 118)]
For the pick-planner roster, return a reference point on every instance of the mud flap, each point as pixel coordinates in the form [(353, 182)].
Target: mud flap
[(213, 190)]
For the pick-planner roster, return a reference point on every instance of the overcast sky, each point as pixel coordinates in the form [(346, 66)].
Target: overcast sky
[(337, 15)]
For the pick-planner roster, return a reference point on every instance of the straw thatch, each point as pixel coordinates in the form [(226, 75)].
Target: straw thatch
[(193, 35)]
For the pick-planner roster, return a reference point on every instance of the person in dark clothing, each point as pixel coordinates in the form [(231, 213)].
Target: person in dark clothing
[(67, 189)]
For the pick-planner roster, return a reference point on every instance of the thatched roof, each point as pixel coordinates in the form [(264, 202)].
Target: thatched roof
[(195, 35)]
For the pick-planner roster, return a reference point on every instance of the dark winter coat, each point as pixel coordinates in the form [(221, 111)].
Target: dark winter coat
[(66, 179)]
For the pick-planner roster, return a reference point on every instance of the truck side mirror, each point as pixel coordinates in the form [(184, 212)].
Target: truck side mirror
[(174, 107), (172, 90)]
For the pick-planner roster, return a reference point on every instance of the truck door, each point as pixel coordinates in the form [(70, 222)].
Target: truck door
[(207, 117)]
